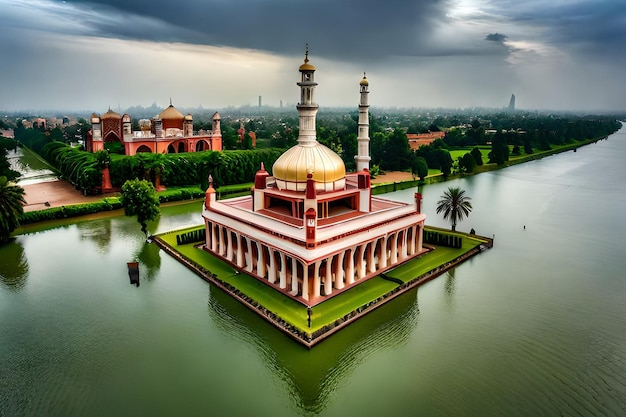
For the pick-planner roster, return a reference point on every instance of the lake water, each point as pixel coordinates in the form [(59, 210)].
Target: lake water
[(535, 326)]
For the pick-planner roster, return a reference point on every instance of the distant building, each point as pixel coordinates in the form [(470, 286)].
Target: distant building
[(7, 133), (241, 132), (169, 132), (422, 139), (512, 103)]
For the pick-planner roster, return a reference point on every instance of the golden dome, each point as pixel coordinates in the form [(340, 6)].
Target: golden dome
[(306, 66), (294, 165), (189, 117), (364, 81), (111, 115), (171, 114)]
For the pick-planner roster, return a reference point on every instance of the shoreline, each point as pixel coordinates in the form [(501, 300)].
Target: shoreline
[(330, 325), (51, 194)]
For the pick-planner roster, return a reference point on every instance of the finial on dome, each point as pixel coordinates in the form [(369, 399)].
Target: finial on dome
[(170, 101), (306, 54), (364, 81)]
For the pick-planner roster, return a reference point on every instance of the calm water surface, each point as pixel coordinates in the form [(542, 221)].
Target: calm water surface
[(535, 326)]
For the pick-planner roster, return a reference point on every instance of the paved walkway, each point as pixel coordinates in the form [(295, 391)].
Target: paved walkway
[(55, 194)]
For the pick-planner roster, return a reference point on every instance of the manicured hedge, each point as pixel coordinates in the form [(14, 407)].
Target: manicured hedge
[(442, 239), (396, 186), (78, 167), (226, 168), (107, 204), (193, 236)]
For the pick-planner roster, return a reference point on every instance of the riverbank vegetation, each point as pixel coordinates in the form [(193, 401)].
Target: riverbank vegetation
[(472, 143)]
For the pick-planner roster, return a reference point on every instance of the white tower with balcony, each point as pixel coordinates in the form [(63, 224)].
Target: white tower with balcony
[(363, 138)]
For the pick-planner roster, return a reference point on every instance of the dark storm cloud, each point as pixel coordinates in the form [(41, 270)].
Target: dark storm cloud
[(335, 29), (496, 37), (595, 27)]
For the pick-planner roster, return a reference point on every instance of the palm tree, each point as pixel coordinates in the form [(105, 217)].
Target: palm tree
[(11, 207), (455, 205)]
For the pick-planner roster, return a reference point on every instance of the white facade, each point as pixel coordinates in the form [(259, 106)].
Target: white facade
[(311, 231)]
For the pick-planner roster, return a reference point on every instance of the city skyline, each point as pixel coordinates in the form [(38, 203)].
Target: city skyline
[(78, 55)]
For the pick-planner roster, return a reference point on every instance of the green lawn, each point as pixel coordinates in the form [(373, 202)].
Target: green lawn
[(327, 312)]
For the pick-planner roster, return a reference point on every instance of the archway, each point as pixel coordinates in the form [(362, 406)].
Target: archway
[(202, 145), (143, 149)]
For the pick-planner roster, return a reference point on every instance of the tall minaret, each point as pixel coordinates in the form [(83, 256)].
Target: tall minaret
[(307, 108), (363, 138)]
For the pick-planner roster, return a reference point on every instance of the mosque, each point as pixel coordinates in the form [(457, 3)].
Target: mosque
[(310, 230), (169, 132)]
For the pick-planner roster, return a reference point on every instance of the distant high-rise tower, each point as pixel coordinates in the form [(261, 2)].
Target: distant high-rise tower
[(363, 139), (512, 103), (260, 101)]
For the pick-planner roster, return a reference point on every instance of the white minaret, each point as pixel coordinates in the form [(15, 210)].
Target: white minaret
[(363, 139), (307, 108)]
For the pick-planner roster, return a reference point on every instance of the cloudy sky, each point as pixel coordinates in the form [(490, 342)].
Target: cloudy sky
[(91, 55)]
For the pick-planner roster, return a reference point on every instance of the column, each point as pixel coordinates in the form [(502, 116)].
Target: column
[(339, 272), (214, 238), (328, 282), (394, 249), (316, 279), (294, 279), (360, 262), (261, 261), (305, 282), (283, 272), (239, 254), (271, 276), (229, 245), (382, 257), (371, 264), (350, 268), (249, 257)]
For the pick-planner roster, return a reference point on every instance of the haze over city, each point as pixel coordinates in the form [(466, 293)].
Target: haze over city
[(91, 55)]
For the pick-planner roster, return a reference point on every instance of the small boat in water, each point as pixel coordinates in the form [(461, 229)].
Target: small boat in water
[(133, 272)]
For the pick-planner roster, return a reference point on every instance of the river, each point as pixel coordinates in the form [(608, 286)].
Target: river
[(533, 327)]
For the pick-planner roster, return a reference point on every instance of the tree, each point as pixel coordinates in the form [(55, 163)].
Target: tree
[(139, 198), (455, 205), (467, 163), (11, 208), (397, 153), (419, 167), (478, 156), (499, 149)]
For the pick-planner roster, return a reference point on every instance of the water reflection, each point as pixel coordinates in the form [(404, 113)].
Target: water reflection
[(312, 376), (13, 265), (99, 232), (450, 288), (149, 256)]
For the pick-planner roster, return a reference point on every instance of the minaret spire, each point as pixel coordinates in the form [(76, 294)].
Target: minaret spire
[(363, 136), (307, 108)]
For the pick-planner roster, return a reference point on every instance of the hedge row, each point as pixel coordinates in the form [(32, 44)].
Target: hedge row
[(442, 239), (193, 236), (226, 168), (79, 167), (107, 204), (396, 186), (83, 170)]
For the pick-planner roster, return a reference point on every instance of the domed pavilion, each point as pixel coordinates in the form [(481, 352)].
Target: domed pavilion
[(309, 229), (168, 132)]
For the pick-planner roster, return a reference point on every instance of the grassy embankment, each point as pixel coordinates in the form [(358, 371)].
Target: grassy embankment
[(329, 311)]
